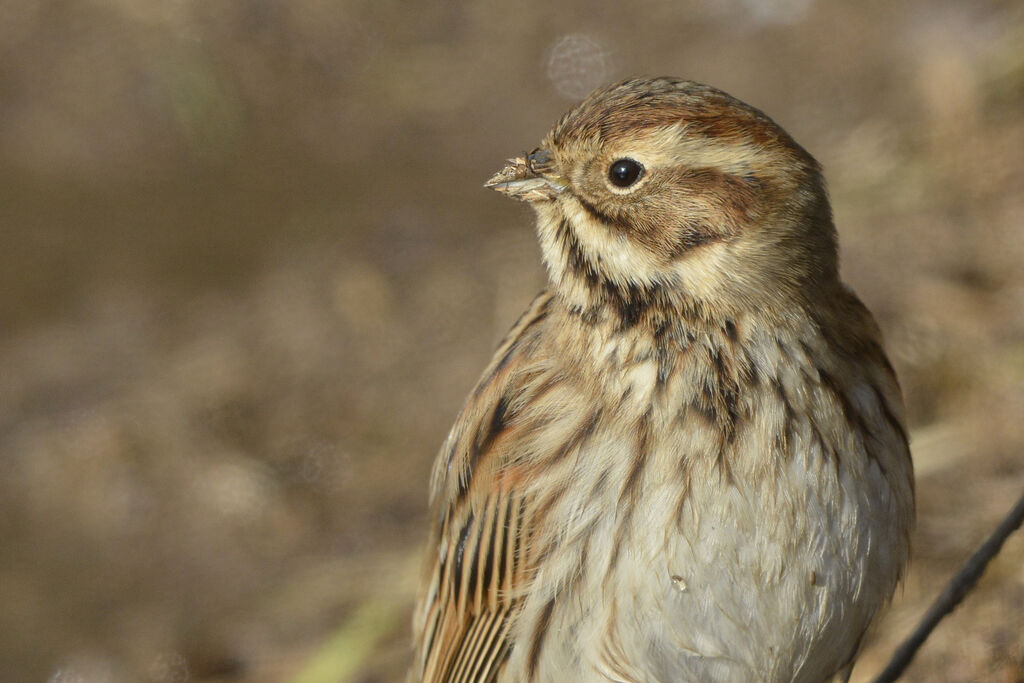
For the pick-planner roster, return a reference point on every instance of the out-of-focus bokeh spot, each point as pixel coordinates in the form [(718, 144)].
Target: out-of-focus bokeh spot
[(249, 274), (577, 64)]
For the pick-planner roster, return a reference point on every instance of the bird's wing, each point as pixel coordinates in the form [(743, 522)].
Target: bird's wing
[(478, 565), (471, 600)]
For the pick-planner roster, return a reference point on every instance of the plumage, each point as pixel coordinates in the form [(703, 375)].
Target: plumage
[(687, 459)]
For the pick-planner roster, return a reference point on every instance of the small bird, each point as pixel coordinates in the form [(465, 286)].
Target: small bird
[(687, 461)]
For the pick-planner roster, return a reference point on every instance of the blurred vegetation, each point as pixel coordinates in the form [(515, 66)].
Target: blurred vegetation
[(249, 274)]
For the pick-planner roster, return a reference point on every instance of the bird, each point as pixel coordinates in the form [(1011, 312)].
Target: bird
[(688, 459)]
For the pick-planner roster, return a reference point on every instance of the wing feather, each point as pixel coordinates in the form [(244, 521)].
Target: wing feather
[(476, 569)]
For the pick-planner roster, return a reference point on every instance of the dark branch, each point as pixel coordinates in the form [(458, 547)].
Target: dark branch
[(958, 588)]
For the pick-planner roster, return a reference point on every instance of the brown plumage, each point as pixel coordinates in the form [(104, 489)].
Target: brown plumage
[(687, 460)]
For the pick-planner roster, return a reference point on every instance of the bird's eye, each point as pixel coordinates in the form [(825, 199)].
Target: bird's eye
[(625, 172)]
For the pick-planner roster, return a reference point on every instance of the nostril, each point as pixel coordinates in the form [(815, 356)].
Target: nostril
[(538, 159)]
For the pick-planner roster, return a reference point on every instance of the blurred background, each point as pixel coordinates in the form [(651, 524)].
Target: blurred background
[(248, 274)]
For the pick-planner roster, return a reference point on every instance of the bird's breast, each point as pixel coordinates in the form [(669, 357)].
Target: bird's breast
[(732, 518)]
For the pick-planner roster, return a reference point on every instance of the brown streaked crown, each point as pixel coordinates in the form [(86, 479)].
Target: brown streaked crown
[(620, 109)]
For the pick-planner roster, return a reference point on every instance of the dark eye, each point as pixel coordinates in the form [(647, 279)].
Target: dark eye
[(625, 172)]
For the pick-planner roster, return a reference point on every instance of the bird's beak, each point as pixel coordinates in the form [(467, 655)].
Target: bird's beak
[(529, 178)]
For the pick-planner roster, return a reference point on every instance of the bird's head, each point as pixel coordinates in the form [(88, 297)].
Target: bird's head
[(668, 191)]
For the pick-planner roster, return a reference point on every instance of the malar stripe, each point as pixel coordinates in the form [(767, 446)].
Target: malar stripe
[(630, 302), (601, 217), (576, 260)]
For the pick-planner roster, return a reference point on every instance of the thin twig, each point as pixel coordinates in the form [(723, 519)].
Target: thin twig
[(955, 591)]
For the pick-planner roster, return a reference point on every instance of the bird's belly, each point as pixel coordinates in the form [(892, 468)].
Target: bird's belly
[(767, 579)]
